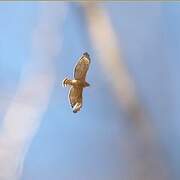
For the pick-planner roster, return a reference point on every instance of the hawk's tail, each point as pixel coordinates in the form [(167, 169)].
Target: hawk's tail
[(64, 82)]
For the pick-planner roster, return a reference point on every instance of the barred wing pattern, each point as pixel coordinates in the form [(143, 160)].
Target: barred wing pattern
[(82, 67), (75, 98)]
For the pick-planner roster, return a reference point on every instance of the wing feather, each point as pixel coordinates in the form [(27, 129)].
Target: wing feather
[(82, 67), (75, 95)]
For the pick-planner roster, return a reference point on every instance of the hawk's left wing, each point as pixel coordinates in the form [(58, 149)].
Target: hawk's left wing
[(75, 98), (82, 67)]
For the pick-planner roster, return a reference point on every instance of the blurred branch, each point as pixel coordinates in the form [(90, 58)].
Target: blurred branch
[(105, 43), (37, 81)]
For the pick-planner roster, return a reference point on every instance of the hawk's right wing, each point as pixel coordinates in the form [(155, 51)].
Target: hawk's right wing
[(82, 67), (75, 98)]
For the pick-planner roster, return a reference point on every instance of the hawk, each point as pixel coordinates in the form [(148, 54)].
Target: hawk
[(78, 83)]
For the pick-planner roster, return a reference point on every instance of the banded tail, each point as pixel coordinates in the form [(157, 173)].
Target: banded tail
[(65, 82)]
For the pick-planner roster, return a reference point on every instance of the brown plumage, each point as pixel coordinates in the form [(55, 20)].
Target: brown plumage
[(78, 83)]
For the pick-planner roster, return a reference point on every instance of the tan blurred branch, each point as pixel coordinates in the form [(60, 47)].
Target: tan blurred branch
[(105, 43)]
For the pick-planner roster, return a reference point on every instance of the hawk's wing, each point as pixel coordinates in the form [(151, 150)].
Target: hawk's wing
[(82, 67), (75, 98)]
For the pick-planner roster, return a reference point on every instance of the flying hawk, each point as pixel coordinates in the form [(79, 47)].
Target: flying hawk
[(78, 83)]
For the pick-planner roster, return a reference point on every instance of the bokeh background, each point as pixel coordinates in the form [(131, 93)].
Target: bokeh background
[(129, 125)]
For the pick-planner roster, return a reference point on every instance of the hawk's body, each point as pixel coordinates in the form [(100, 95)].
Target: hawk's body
[(78, 83)]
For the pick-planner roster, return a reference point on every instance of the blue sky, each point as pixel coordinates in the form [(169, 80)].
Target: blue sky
[(91, 144)]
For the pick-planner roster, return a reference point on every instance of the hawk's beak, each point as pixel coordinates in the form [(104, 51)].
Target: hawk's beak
[(87, 84)]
